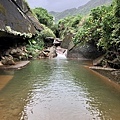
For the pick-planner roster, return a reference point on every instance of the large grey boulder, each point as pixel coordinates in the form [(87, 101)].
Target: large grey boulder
[(88, 51)]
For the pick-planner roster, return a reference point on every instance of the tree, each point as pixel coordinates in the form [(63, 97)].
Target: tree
[(43, 16)]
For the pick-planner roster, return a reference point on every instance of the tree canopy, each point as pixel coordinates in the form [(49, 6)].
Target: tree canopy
[(43, 16)]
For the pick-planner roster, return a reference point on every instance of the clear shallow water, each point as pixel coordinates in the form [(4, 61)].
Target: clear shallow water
[(58, 89)]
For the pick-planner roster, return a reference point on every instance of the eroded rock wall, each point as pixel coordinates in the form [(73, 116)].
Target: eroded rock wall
[(16, 19), (88, 51)]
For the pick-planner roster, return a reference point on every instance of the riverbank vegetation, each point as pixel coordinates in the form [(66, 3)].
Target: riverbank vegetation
[(101, 28), (37, 43)]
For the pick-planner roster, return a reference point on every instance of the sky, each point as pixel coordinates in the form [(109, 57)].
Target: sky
[(56, 5)]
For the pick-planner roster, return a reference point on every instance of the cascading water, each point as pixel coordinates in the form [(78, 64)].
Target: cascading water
[(61, 53)]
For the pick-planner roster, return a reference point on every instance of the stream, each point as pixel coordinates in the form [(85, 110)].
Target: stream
[(57, 89)]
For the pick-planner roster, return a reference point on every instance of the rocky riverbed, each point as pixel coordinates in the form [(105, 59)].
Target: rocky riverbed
[(112, 74), (18, 65)]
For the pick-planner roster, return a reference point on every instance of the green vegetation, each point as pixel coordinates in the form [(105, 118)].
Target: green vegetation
[(46, 20), (82, 10), (47, 32), (68, 25), (43, 17), (101, 28), (37, 44)]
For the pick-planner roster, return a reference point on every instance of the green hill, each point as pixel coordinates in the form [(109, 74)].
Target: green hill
[(83, 10)]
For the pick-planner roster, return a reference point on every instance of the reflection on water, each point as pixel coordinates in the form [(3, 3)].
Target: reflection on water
[(58, 90), (4, 79)]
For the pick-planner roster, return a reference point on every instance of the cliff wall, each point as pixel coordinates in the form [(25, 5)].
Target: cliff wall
[(17, 20)]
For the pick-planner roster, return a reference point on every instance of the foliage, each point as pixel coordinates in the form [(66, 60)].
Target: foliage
[(102, 27), (46, 20), (37, 43), (55, 30), (82, 10), (92, 28), (47, 32), (111, 28), (68, 25), (34, 45), (43, 16)]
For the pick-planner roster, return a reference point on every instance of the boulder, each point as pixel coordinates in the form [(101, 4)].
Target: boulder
[(48, 42), (52, 52), (88, 51), (7, 60), (66, 41), (57, 42), (18, 53), (98, 61)]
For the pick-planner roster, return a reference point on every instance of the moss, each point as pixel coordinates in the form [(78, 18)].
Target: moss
[(10, 31), (2, 9)]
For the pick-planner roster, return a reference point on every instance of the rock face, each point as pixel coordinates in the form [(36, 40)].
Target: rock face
[(66, 41), (17, 20), (87, 51), (110, 59)]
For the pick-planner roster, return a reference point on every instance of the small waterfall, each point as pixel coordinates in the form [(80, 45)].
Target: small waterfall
[(61, 53)]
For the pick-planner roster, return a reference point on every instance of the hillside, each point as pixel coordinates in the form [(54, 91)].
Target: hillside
[(83, 10)]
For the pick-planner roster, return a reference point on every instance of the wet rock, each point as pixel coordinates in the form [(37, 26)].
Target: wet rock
[(50, 52), (7, 60), (0, 63), (115, 63), (30, 56), (17, 53), (57, 42), (48, 42), (98, 61), (110, 59), (44, 53), (60, 50)]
